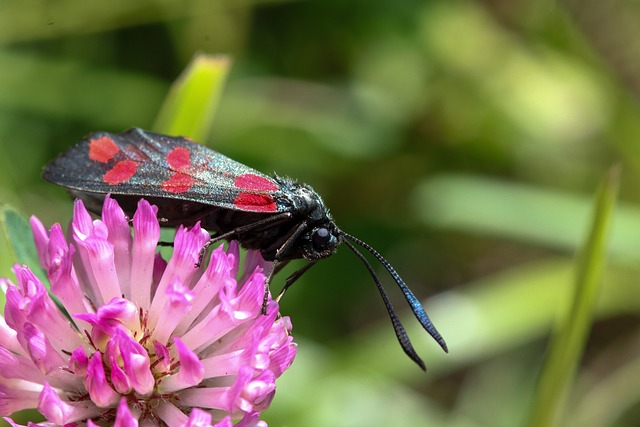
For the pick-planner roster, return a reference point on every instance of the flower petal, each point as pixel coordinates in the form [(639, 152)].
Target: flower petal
[(120, 237), (52, 407), (19, 366), (191, 370), (65, 285), (101, 260), (60, 412), (251, 392), (217, 274), (251, 420), (119, 378), (78, 362), (163, 358), (43, 355), (146, 235), (124, 417), (9, 337), (41, 239), (211, 397), (187, 245), (174, 417), (96, 255), (96, 383), (117, 314), (135, 360), (16, 395), (200, 418), (177, 303)]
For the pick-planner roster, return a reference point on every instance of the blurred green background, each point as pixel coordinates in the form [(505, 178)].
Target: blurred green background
[(464, 140)]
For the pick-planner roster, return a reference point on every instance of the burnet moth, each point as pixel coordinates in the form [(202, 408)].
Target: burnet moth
[(283, 219)]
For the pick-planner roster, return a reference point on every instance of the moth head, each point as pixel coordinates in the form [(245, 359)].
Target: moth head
[(320, 241)]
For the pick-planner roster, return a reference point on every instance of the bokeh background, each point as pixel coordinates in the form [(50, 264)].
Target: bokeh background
[(462, 139)]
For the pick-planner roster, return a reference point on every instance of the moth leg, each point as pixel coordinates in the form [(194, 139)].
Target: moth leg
[(290, 240), (211, 241), (280, 266), (294, 277), (169, 244), (238, 230)]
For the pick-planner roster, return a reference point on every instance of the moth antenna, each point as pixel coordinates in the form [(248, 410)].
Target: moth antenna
[(414, 303), (401, 333)]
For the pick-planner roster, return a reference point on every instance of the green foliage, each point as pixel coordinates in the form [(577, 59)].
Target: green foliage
[(17, 232), (463, 140), (191, 103), (570, 339)]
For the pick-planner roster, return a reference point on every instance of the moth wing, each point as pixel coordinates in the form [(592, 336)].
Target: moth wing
[(145, 164)]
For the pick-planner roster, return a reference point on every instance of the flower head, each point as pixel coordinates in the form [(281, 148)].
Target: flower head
[(141, 340)]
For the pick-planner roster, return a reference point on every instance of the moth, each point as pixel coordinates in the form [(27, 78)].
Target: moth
[(188, 182)]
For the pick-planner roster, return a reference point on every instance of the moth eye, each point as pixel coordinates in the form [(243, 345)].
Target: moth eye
[(321, 238)]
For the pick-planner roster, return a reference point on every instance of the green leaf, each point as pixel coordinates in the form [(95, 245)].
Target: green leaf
[(569, 341), (190, 106), (18, 234)]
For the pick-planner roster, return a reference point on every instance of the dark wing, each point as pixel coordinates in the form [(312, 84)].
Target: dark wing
[(141, 163)]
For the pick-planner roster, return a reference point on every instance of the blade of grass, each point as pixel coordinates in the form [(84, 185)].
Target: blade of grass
[(189, 108), (568, 342)]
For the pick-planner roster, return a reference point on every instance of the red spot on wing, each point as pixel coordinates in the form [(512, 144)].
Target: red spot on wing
[(179, 159), (178, 183), (249, 181), (102, 149), (121, 172), (255, 202)]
